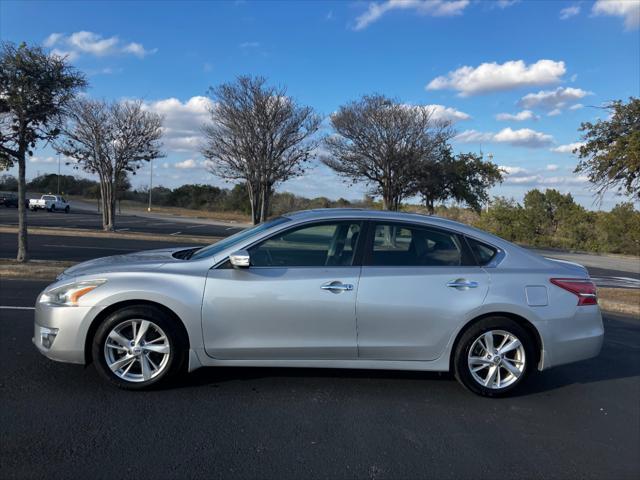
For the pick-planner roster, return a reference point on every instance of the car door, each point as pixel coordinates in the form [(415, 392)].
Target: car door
[(417, 284), (295, 301)]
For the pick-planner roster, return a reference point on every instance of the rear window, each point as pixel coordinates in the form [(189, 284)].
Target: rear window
[(484, 253)]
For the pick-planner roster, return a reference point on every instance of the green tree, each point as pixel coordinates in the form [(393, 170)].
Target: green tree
[(35, 90), (382, 142), (610, 156), (464, 178)]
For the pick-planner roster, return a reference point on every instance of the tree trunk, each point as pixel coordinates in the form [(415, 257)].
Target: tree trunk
[(429, 204), (254, 201), (23, 251), (110, 206), (265, 194)]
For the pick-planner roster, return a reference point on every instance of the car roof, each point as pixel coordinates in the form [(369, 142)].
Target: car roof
[(330, 213)]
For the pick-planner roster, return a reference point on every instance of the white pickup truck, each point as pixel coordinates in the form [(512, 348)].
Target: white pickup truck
[(50, 203)]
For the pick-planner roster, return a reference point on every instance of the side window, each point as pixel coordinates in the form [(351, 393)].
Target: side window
[(318, 245), (484, 253), (404, 245)]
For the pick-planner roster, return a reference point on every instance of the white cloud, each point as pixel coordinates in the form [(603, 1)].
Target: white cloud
[(518, 117), (568, 148), (36, 159), (249, 45), (493, 77), (628, 9), (524, 137), (506, 3), (138, 50), (569, 12), (187, 164), (182, 127), (440, 112), (554, 113), (434, 8), (90, 43), (537, 177), (551, 100)]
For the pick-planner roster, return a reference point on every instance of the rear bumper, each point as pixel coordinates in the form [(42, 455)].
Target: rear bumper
[(573, 339)]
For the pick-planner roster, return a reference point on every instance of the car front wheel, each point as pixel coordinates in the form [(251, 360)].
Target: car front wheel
[(139, 347), (494, 356)]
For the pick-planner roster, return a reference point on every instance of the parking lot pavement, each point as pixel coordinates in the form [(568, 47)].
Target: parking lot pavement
[(79, 249), (92, 220), (576, 421)]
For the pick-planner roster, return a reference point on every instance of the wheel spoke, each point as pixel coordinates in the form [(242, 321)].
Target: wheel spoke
[(490, 376), (512, 368), (117, 347), (153, 364), (119, 339), (159, 339), (488, 341), (479, 360), (118, 364), (146, 368), (164, 349), (144, 326), (512, 345)]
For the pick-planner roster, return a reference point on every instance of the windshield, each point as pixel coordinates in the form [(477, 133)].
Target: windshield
[(235, 238)]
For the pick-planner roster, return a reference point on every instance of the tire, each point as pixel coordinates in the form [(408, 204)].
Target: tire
[(53, 208), (129, 372), (66, 209), (494, 375)]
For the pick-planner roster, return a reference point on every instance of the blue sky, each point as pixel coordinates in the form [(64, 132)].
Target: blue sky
[(517, 77)]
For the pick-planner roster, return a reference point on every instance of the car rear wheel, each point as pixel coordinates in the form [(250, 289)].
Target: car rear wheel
[(66, 209), (52, 208), (139, 347), (494, 356)]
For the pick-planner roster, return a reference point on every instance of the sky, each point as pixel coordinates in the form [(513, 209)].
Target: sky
[(517, 77)]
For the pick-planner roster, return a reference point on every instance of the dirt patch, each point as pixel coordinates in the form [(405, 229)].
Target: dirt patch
[(33, 270), (620, 300)]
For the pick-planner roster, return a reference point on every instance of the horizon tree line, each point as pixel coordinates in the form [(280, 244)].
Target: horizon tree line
[(262, 137)]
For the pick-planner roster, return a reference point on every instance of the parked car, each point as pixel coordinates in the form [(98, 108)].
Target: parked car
[(50, 203), (9, 199), (335, 288)]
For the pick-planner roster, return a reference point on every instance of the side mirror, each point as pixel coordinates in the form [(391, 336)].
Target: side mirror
[(240, 259)]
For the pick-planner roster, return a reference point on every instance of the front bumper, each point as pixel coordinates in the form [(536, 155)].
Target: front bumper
[(573, 339), (68, 326)]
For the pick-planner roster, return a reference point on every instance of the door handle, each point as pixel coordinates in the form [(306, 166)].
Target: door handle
[(337, 287), (462, 284)]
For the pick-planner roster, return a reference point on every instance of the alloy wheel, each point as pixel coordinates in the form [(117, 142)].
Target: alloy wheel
[(137, 350), (496, 359)]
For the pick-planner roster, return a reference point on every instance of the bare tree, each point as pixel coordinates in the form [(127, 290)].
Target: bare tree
[(258, 135), (381, 142), (110, 140), (35, 89)]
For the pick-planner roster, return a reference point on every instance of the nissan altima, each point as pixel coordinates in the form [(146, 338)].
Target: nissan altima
[(334, 288)]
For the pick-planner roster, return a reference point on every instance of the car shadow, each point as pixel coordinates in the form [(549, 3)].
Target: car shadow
[(619, 358)]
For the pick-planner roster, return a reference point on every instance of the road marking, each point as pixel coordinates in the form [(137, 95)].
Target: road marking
[(230, 228), (196, 226), (175, 233), (10, 307), (122, 229), (93, 248)]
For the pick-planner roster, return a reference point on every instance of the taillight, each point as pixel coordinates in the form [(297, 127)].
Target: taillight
[(585, 290)]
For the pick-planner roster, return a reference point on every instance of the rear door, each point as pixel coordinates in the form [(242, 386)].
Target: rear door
[(417, 284)]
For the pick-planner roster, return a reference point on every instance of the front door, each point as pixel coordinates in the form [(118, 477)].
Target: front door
[(417, 284), (295, 301)]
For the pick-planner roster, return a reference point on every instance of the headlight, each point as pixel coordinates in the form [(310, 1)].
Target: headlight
[(70, 294)]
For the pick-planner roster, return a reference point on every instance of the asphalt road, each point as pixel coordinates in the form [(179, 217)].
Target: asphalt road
[(79, 249), (91, 220), (58, 420)]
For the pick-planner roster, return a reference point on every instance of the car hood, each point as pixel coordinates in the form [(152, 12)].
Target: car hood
[(145, 260)]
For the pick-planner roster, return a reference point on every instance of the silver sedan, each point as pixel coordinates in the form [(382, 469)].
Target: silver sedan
[(339, 288)]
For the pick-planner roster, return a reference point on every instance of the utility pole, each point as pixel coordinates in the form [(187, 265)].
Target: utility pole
[(58, 174), (150, 185)]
